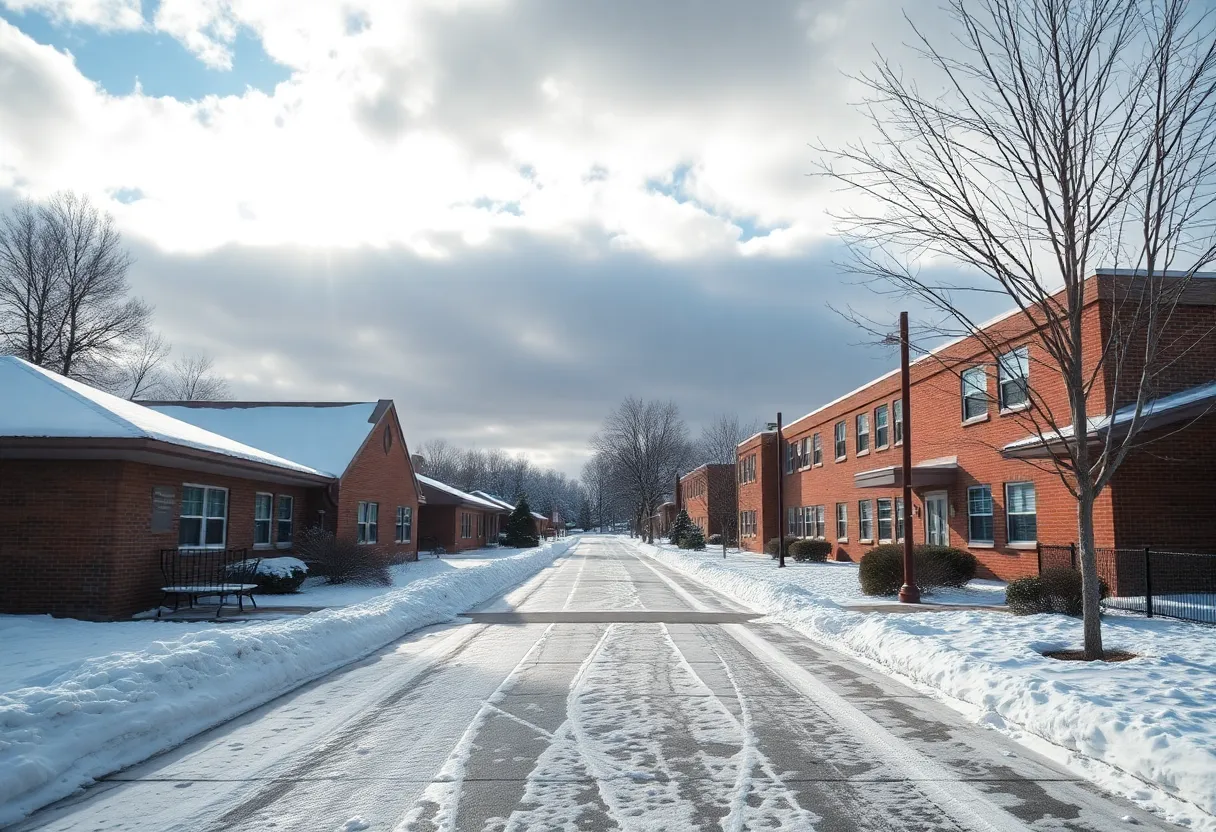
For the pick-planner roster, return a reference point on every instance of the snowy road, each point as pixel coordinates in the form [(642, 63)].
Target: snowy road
[(607, 693)]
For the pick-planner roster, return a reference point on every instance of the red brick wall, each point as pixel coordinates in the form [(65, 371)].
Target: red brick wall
[(758, 496), (708, 495), (443, 524), (380, 476), (76, 540)]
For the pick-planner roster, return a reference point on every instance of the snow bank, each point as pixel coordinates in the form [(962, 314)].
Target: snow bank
[(1151, 717), (116, 710)]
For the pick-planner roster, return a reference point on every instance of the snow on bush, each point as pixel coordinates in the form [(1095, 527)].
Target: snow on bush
[(1150, 717), (274, 576), (114, 711)]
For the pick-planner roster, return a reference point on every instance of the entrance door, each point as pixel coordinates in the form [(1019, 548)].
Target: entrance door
[(937, 526)]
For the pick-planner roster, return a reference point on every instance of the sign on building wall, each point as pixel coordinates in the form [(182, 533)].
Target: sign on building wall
[(164, 500)]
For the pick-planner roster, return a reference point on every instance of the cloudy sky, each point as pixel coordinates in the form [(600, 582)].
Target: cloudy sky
[(505, 214)]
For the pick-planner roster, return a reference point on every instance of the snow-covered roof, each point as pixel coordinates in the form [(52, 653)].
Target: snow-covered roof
[(456, 492), (539, 516), (1184, 404), (40, 403), (322, 435), (496, 500)]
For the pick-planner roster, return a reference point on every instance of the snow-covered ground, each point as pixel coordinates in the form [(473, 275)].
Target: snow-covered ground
[(109, 695), (1151, 720)]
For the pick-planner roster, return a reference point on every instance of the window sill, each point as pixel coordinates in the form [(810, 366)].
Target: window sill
[(215, 547), (842, 540), (866, 452), (817, 465), (1024, 546), (975, 420), (867, 540), (980, 545), (882, 448), (884, 542), (841, 458), (899, 443), (283, 545), (262, 546), (1017, 408)]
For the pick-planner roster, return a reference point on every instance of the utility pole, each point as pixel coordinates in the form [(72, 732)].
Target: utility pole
[(780, 496), (909, 593)]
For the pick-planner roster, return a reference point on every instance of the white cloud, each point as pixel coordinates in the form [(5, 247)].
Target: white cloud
[(101, 14)]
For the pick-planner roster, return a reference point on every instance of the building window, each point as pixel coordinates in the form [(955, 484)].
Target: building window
[(747, 469), (286, 520), (1020, 512), (369, 514), (481, 525), (466, 525), (791, 521), (747, 524), (1013, 377), (842, 521), (262, 505), (816, 450), (865, 520), (820, 526), (863, 432), (882, 430), (203, 522), (886, 524), (789, 457), (405, 524), (975, 393), (842, 441), (804, 452), (897, 418), (979, 514), (899, 518)]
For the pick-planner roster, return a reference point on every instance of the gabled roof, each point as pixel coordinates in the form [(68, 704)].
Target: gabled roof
[(322, 435), (38, 403), (445, 493), (499, 501), (1171, 409)]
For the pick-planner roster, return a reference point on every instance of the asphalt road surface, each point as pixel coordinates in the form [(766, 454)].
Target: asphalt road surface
[(607, 693)]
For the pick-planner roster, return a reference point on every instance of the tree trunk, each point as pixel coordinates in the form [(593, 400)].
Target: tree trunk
[(1090, 587)]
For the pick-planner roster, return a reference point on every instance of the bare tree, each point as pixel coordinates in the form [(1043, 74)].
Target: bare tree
[(719, 440), (442, 459), (597, 475), (63, 287), (193, 379), (139, 373), (1071, 134), (645, 445)]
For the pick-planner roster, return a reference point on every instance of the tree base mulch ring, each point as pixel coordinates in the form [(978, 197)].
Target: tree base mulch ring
[(1079, 655)]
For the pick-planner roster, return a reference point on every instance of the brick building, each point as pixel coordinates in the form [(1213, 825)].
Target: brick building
[(92, 487), (374, 495), (707, 493), (662, 519), (456, 520), (978, 479)]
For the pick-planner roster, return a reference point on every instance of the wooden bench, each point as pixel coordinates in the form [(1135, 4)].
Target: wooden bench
[(202, 573)]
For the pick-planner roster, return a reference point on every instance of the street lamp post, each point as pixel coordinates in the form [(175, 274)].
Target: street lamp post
[(909, 593), (780, 496)]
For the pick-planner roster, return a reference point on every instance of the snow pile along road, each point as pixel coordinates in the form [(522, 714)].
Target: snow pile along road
[(1153, 717), (117, 710)]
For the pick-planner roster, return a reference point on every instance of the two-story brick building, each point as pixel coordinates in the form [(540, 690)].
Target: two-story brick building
[(707, 493), (982, 478)]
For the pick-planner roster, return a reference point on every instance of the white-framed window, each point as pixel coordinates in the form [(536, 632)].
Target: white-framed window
[(1013, 378), (975, 393), (899, 518), (863, 432), (865, 519), (842, 521), (886, 520), (285, 520), (405, 523), (882, 428), (842, 440), (816, 450), (804, 452), (481, 525), (979, 514), (897, 420), (1020, 514), (747, 469), (789, 457), (263, 505), (792, 516), (820, 529), (747, 524), (466, 525), (203, 520), (369, 525)]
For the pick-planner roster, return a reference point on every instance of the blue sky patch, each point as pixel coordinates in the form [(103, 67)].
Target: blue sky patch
[(162, 65)]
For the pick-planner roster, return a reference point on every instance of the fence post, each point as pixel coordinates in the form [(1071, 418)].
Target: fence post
[(1072, 555), (1038, 551), (1148, 583)]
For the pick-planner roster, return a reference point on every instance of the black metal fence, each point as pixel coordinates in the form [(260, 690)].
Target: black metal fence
[(1149, 581)]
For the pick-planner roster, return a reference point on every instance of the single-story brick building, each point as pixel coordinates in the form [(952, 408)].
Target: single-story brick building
[(979, 477), (93, 487), (374, 496), (457, 520)]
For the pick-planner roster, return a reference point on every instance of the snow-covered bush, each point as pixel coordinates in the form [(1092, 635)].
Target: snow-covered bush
[(881, 571), (1057, 590), (715, 540), (810, 550), (274, 576)]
